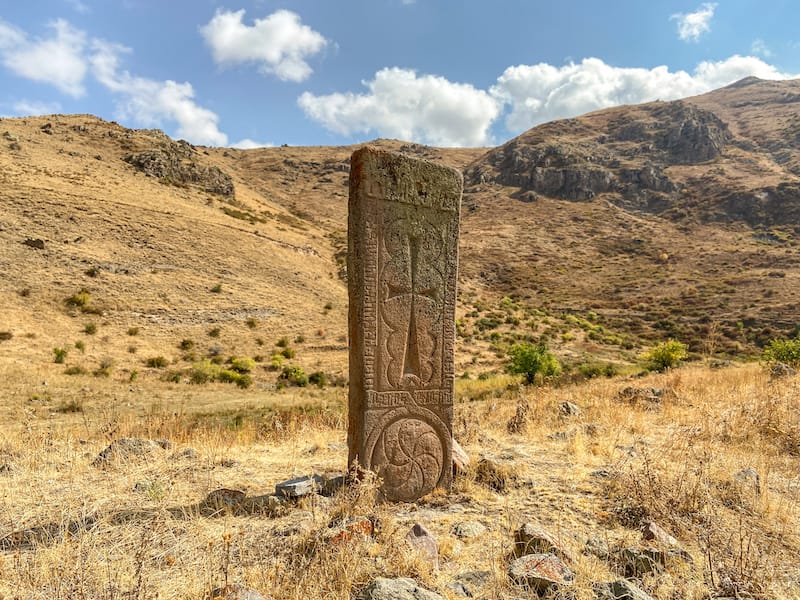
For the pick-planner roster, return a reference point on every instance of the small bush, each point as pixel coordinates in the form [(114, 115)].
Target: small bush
[(203, 372), (90, 329), (79, 345), (60, 355), (785, 351), (299, 339), (293, 375), (217, 288), (186, 345), (75, 371), (157, 362), (252, 323), (276, 362), (532, 361), (5, 336), (79, 299), (288, 352), (328, 306), (71, 406), (318, 378), (242, 365), (173, 376), (132, 331), (134, 375), (104, 370), (283, 342), (214, 332), (665, 355), (132, 349)]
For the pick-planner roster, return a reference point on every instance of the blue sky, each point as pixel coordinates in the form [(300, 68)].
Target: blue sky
[(330, 72)]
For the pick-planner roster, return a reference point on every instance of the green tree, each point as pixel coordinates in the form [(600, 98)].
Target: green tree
[(666, 355), (531, 360), (785, 351)]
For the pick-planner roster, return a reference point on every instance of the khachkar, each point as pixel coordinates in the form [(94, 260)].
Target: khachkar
[(402, 265)]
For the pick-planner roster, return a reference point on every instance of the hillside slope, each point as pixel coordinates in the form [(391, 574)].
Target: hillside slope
[(607, 231)]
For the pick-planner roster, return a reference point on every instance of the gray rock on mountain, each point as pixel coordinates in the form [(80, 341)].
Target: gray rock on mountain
[(401, 588)]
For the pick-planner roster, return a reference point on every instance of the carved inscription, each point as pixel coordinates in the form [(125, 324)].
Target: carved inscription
[(402, 263)]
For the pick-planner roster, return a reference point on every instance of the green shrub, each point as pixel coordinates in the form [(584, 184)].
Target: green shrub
[(293, 375), (288, 352), (133, 331), (217, 288), (134, 375), (104, 370), (79, 345), (242, 364), (532, 361), (157, 362), (79, 299), (75, 371), (186, 345), (5, 336), (252, 323), (665, 355), (318, 378), (276, 361), (90, 329), (299, 339), (785, 351), (283, 342), (203, 372), (60, 355), (214, 332)]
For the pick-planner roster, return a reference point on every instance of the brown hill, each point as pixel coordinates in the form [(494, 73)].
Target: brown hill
[(607, 231)]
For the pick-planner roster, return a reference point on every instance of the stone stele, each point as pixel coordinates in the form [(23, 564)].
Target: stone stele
[(402, 265)]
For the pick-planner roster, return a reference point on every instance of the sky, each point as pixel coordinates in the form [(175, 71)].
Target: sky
[(249, 73)]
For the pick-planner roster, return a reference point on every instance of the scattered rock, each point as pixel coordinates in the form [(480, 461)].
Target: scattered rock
[(125, 448), (10, 136), (461, 459), (190, 453), (468, 584), (236, 592), (568, 409), (425, 543), (621, 589), (532, 539), (332, 484), (223, 498), (650, 397), (35, 243), (543, 573), (47, 128), (597, 547), (299, 486), (652, 531), (468, 529), (357, 527), (780, 370), (636, 562), (749, 475), (401, 588), (228, 463)]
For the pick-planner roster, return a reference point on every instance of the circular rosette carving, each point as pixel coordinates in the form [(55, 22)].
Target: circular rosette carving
[(408, 452)]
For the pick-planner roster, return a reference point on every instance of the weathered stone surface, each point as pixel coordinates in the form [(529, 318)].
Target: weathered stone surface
[(424, 542), (777, 371), (532, 539), (402, 271), (224, 498), (177, 165), (469, 584), (569, 409), (621, 589), (126, 448), (468, 529), (542, 573), (299, 486), (357, 527), (401, 588)]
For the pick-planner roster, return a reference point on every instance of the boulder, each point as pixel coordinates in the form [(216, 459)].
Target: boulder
[(424, 542), (401, 588), (299, 486), (468, 529), (461, 459), (543, 573), (621, 589), (532, 539)]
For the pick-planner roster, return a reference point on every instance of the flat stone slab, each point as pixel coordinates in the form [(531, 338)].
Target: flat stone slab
[(299, 486), (542, 573), (402, 262)]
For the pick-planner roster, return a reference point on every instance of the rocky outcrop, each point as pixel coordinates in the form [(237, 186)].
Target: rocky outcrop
[(176, 164)]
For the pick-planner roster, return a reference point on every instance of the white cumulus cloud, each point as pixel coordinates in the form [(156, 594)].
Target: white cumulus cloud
[(543, 92), (401, 104), (149, 102), (248, 144), (279, 43), (57, 60), (692, 25)]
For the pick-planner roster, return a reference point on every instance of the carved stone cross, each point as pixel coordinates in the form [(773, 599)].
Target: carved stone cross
[(402, 270)]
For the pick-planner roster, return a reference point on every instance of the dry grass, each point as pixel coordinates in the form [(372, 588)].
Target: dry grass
[(137, 527)]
